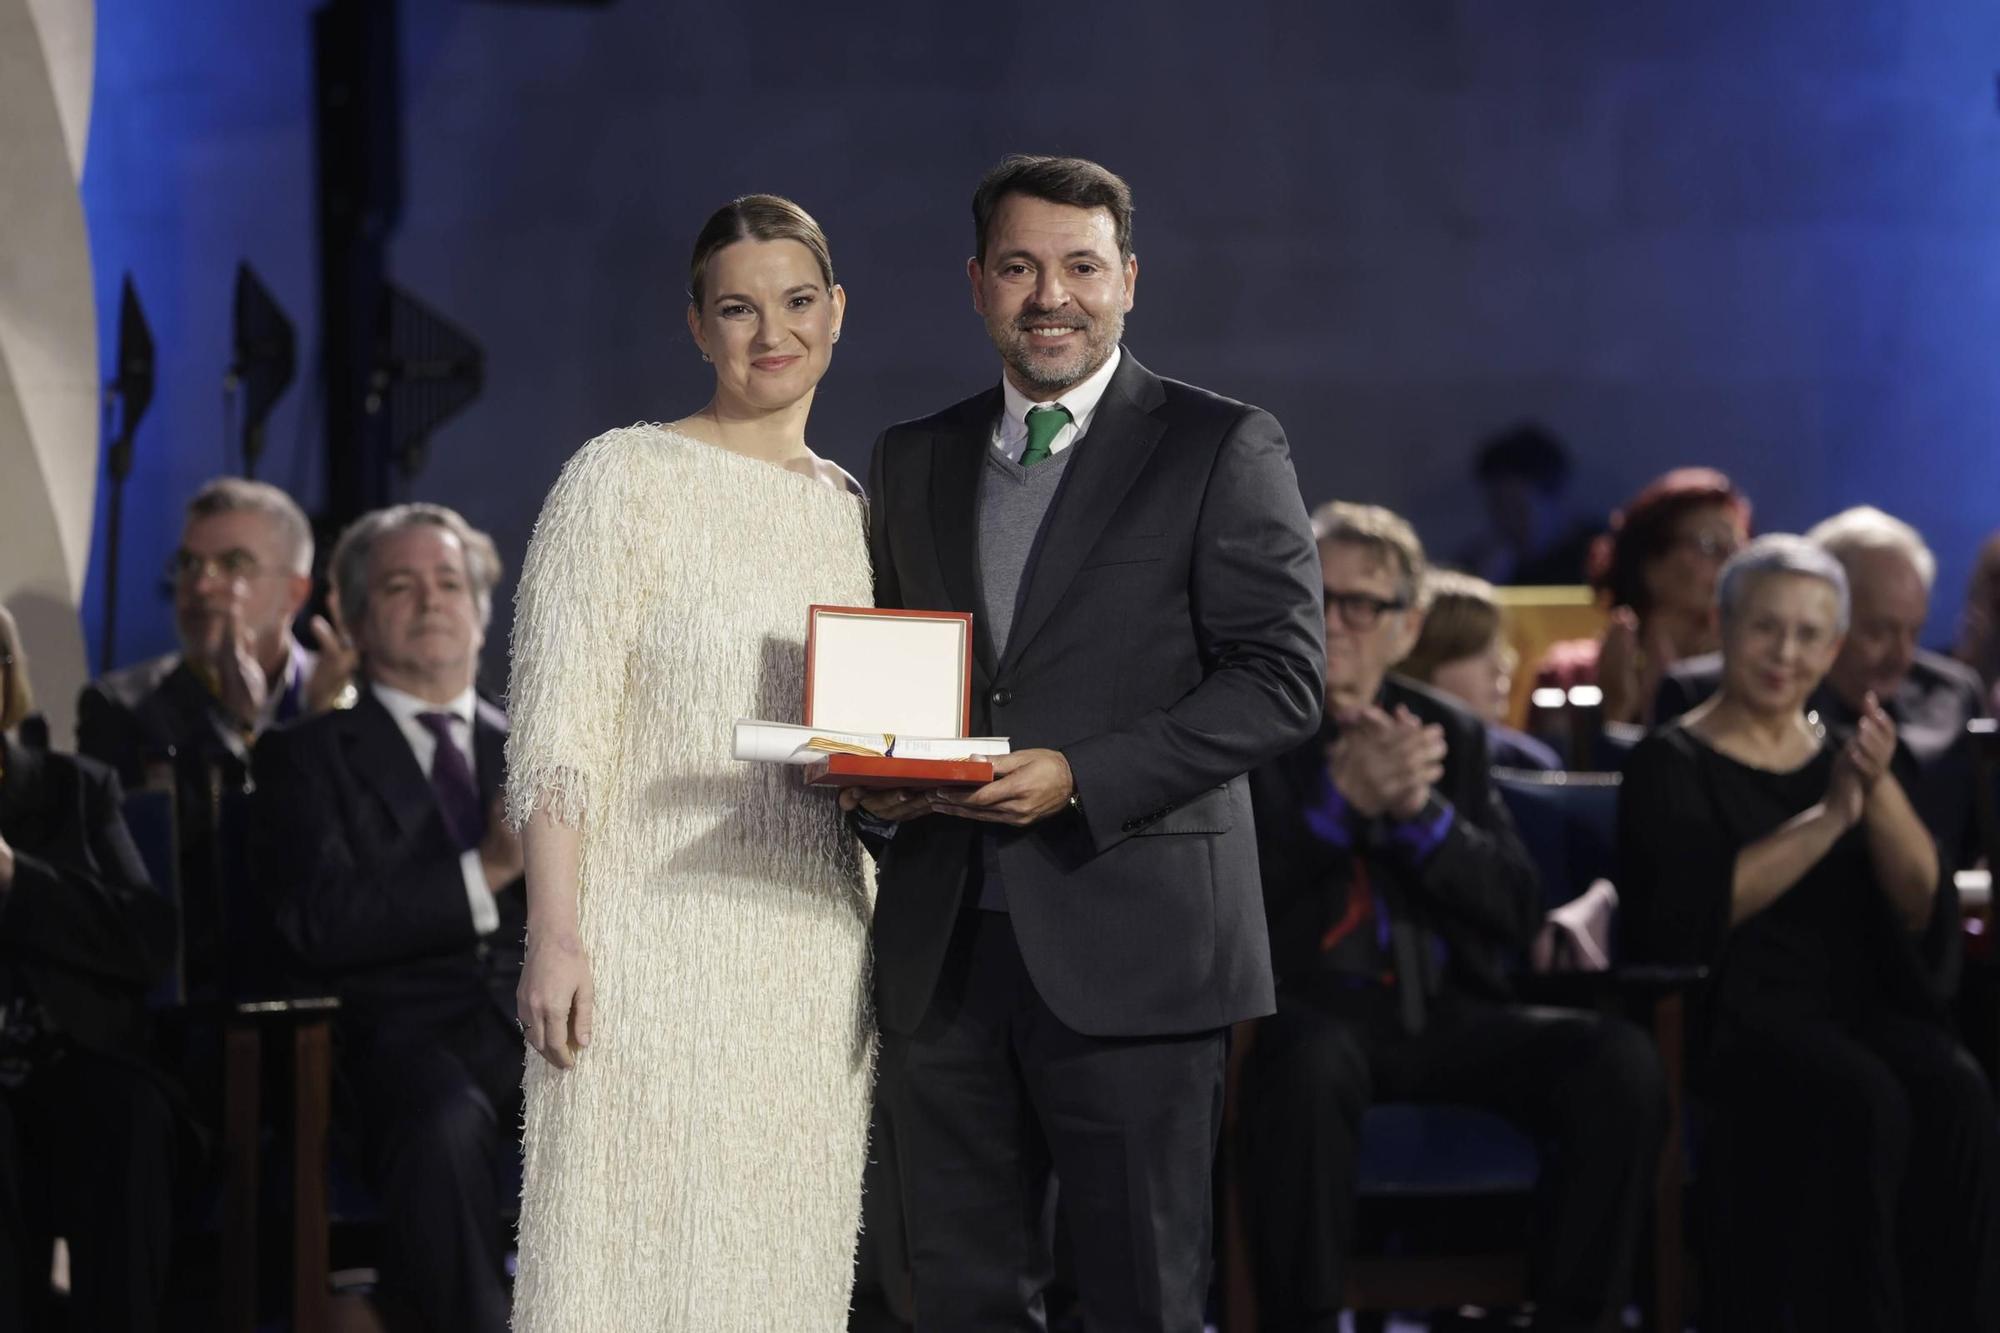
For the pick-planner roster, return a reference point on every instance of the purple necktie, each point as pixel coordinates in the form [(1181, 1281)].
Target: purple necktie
[(457, 790)]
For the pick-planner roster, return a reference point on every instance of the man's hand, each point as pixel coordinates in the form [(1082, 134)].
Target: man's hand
[(239, 677), (1384, 765), (1028, 786), (895, 806), (501, 859), (6, 866), (333, 672)]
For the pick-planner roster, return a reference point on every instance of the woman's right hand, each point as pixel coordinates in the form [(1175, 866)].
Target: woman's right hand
[(1621, 668), (555, 1000)]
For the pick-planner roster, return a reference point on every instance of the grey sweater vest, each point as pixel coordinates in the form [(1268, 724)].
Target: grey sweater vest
[(1013, 502)]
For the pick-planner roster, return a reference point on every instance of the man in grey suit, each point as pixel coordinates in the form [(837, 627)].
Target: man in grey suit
[(1060, 953)]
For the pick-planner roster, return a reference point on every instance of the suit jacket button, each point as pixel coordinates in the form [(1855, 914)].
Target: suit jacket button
[(1001, 697)]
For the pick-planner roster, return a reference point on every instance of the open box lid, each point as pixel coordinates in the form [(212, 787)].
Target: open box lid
[(905, 673)]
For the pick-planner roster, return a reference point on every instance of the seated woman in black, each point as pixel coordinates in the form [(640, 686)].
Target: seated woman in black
[(1855, 1155), (88, 1131)]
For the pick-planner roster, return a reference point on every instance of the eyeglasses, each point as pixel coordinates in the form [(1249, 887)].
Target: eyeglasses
[(1712, 545), (1359, 611), (187, 567)]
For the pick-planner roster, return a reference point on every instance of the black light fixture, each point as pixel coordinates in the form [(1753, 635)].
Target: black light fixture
[(427, 370), (126, 398), (264, 351)]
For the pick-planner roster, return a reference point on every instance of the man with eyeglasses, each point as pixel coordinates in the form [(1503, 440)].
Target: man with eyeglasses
[(240, 577), (1399, 899)]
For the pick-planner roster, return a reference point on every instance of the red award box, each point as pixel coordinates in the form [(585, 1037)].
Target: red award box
[(900, 673)]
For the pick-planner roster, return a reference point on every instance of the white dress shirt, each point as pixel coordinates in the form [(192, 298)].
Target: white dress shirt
[(404, 708), (1010, 433)]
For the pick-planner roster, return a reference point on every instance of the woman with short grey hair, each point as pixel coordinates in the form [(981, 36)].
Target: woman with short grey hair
[(1852, 1126)]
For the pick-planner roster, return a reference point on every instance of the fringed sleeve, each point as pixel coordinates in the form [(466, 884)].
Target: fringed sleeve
[(575, 623)]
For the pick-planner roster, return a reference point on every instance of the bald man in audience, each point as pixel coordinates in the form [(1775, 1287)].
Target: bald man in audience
[(1929, 696), (241, 576)]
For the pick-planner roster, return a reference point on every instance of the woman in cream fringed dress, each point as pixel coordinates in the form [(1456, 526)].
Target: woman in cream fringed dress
[(696, 982)]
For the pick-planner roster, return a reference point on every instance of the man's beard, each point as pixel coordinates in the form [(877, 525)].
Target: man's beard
[(1074, 365)]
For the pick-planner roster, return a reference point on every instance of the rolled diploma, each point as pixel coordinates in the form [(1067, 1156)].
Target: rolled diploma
[(783, 743)]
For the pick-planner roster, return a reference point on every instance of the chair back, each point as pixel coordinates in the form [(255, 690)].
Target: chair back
[(1982, 735), (1569, 824)]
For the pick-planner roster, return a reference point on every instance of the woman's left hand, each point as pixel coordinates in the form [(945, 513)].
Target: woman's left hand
[(1873, 744)]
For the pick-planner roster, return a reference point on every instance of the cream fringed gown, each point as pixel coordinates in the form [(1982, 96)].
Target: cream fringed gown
[(700, 1168)]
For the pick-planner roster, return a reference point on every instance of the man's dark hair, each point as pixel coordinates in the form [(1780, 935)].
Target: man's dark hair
[(1059, 180), (1528, 450)]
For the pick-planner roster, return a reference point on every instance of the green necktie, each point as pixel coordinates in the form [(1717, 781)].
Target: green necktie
[(1044, 423)]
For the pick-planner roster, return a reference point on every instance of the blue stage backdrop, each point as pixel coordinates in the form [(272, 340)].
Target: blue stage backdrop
[(1765, 237)]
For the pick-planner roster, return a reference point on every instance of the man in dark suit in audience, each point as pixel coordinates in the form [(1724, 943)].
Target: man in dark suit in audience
[(241, 575), (397, 884), (1399, 898), (1930, 696)]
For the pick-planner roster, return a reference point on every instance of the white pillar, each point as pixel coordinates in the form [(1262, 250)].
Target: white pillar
[(48, 341)]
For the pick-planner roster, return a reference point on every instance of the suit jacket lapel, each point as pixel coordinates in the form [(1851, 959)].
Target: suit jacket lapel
[(379, 752), (958, 454), (1108, 461)]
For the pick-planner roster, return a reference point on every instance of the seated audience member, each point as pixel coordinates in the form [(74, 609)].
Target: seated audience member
[(1399, 900), (396, 883), (1461, 653), (1857, 1157), (1928, 696), (1656, 570), (1979, 628), (88, 1129), (241, 575), (1531, 536)]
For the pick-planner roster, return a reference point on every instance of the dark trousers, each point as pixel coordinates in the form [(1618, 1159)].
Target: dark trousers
[(1589, 1090), (439, 1111), (992, 1095), (1853, 1179), (87, 1152)]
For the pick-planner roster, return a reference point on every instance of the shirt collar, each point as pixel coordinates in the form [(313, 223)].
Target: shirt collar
[(1082, 400), (404, 706)]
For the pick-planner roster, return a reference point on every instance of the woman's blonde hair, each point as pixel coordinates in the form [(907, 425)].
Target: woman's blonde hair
[(18, 699), (1463, 620), (755, 217)]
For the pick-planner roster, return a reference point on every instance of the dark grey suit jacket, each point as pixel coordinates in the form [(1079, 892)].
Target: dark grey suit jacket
[(1168, 639), (82, 928)]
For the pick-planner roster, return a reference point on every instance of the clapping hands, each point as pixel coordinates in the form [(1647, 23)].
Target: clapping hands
[(1630, 664), (1386, 765), (241, 685), (1862, 762), (333, 670)]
